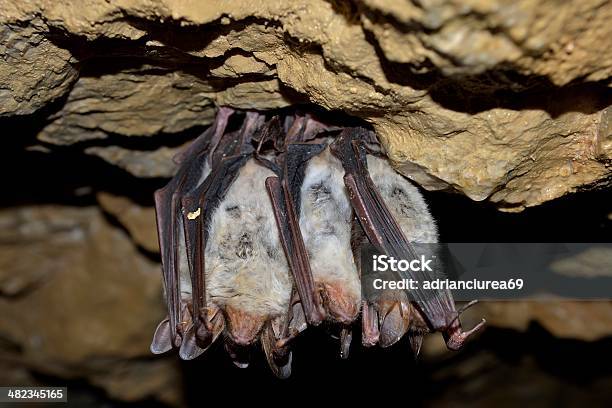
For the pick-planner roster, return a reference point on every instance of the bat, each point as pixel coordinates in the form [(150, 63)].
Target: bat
[(283, 189), (382, 229), (325, 222), (261, 231), (313, 213), (247, 272), (192, 167), (206, 170)]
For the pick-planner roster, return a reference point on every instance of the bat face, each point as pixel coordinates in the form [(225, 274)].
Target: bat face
[(325, 223), (261, 232)]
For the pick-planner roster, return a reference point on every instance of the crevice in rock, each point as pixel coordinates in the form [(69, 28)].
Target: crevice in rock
[(497, 88)]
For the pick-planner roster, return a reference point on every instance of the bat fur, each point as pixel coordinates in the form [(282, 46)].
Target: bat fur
[(325, 221)]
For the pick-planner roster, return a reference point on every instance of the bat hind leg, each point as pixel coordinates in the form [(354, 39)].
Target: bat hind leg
[(190, 347), (455, 337), (346, 338)]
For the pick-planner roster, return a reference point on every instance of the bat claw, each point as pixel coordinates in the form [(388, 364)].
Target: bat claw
[(203, 336), (416, 341), (346, 337), (457, 338)]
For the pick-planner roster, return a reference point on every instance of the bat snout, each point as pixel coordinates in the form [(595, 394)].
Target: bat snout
[(340, 304), (243, 327)]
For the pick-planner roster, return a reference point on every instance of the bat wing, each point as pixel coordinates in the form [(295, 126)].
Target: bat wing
[(168, 214), (193, 190), (198, 205), (383, 230), (293, 246), (284, 194)]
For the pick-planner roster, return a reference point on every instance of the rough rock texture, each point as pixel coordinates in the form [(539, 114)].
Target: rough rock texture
[(139, 221), (141, 163), (500, 100), (133, 103), (78, 301)]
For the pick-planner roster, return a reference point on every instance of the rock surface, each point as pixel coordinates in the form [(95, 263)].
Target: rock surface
[(506, 101), (138, 220), (77, 300), (499, 100)]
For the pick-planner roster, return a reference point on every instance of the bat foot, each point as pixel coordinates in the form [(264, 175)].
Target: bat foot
[(416, 341), (346, 338), (457, 338), (203, 335)]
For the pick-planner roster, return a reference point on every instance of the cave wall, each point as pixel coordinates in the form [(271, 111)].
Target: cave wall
[(503, 101), (499, 100)]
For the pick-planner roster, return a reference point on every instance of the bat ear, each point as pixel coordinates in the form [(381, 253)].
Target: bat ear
[(189, 347), (162, 339), (393, 324), (279, 358)]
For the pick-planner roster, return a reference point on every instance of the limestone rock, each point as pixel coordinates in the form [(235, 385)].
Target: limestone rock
[(141, 163), (138, 220), (505, 101), (560, 42), (89, 310), (34, 71), (130, 104), (591, 263)]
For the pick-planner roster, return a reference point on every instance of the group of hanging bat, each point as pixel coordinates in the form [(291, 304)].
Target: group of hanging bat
[(261, 231)]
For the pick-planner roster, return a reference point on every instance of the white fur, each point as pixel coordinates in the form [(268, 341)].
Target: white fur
[(404, 201), (246, 267), (325, 221)]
